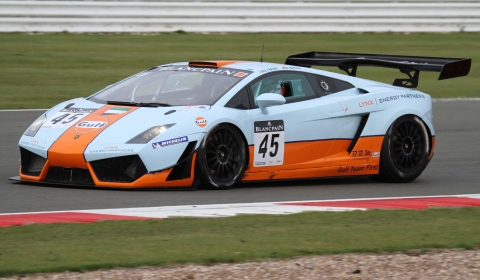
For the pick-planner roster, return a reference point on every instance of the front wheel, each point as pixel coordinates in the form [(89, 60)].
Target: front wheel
[(221, 158), (405, 150)]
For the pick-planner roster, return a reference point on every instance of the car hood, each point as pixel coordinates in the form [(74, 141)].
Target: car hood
[(112, 125)]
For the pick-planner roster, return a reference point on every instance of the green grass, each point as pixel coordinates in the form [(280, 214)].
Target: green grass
[(80, 247), (38, 71)]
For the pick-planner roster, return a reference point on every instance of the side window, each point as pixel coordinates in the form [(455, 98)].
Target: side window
[(240, 100), (327, 85), (292, 85)]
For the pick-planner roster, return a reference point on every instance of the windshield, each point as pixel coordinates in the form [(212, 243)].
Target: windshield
[(173, 85)]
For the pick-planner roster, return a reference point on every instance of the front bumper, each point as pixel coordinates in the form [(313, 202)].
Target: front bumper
[(116, 172)]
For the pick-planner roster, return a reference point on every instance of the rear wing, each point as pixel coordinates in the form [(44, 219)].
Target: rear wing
[(409, 65)]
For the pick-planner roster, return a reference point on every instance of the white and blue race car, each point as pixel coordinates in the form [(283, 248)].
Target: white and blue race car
[(213, 124)]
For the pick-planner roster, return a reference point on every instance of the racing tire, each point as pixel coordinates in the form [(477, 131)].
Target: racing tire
[(405, 150), (221, 159)]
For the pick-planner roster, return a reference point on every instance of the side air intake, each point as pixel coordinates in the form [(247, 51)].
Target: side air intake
[(184, 165), (119, 169), (31, 163)]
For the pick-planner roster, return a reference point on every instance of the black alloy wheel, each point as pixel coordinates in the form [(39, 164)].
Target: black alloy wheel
[(221, 158), (405, 150), (407, 146)]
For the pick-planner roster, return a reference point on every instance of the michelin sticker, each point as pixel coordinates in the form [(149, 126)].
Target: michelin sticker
[(269, 145), (66, 117), (169, 142)]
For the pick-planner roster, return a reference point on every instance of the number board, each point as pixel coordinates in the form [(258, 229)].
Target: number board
[(269, 137), (66, 117)]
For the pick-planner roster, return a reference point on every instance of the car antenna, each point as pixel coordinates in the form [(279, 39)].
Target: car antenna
[(261, 57)]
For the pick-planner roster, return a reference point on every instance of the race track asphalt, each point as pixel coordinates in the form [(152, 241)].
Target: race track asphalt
[(455, 169)]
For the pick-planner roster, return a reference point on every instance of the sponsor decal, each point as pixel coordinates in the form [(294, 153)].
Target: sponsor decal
[(220, 71), (201, 122), (241, 74), (365, 103), (388, 99), (324, 85), (361, 153), (371, 167), (116, 111), (33, 143), (91, 125), (411, 62), (401, 96), (202, 107), (268, 126), (376, 154), (79, 110), (291, 67), (190, 107), (267, 70), (169, 142), (67, 117), (111, 149), (269, 143), (352, 168)]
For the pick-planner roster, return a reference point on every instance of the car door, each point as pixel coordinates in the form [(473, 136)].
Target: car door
[(295, 136)]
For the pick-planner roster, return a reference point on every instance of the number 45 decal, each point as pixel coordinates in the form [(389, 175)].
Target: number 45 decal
[(269, 142), (262, 149)]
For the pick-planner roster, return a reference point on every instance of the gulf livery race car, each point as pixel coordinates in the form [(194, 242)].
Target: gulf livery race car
[(213, 124)]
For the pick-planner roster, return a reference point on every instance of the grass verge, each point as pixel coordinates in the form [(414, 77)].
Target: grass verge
[(39, 71), (81, 247)]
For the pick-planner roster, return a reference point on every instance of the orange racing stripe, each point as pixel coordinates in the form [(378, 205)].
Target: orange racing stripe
[(68, 150), (301, 160)]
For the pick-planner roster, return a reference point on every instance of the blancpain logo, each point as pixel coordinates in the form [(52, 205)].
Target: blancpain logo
[(222, 71), (269, 128)]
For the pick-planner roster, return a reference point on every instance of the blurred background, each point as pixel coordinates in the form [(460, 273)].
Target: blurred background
[(240, 16), (51, 51)]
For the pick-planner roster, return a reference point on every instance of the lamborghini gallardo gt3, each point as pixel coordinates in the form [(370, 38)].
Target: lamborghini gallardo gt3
[(214, 124)]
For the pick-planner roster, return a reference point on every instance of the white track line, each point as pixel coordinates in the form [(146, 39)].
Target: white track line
[(228, 210)]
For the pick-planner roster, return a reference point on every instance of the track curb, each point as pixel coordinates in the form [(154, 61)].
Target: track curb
[(229, 210)]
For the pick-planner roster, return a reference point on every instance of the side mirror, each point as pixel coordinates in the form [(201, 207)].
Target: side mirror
[(269, 99)]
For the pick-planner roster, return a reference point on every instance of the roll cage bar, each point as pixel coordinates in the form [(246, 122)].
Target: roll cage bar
[(409, 65)]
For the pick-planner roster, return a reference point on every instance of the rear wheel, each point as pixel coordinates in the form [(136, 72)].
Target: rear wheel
[(405, 150), (221, 158)]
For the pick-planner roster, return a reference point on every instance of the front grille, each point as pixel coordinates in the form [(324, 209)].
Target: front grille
[(31, 163), (119, 169), (69, 176)]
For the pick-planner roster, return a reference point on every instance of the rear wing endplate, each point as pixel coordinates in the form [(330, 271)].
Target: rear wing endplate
[(409, 65)]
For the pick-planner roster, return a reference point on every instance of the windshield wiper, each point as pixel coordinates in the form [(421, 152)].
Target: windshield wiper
[(154, 104), (140, 104)]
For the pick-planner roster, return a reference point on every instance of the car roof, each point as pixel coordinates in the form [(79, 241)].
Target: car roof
[(260, 68)]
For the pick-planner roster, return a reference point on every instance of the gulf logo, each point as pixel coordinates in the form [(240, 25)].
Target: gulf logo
[(201, 122), (91, 125)]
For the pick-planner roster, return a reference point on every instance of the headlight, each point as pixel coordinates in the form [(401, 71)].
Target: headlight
[(35, 126), (149, 134)]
